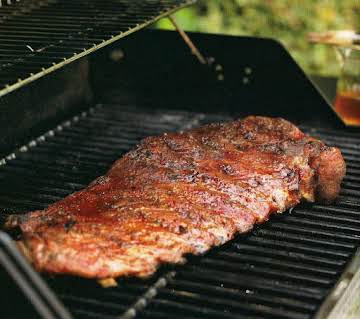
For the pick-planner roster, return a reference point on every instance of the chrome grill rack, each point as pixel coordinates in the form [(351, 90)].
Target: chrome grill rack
[(39, 37)]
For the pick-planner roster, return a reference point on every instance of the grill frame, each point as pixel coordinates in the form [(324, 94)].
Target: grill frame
[(185, 61)]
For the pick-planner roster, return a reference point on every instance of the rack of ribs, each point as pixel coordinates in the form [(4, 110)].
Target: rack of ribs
[(180, 193)]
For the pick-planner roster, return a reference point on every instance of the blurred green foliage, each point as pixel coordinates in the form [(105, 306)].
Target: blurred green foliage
[(289, 21)]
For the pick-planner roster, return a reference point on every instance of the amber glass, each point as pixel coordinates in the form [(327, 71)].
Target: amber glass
[(347, 101)]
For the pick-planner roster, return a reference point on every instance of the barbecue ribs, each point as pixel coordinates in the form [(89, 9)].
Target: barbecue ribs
[(180, 193)]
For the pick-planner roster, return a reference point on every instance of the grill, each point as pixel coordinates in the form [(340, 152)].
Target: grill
[(283, 269), (286, 268)]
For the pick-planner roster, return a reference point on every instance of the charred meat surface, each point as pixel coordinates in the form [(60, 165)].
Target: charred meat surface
[(180, 193)]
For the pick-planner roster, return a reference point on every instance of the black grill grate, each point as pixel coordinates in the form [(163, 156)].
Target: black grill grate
[(283, 269), (40, 36)]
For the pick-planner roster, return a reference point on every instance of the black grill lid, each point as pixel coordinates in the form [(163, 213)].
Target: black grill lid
[(40, 36)]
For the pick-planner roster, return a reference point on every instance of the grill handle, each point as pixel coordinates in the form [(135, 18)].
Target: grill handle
[(29, 281)]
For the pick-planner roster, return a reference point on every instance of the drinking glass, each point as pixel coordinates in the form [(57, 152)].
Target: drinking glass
[(347, 101)]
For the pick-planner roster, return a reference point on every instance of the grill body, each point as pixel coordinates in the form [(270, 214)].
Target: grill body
[(283, 269)]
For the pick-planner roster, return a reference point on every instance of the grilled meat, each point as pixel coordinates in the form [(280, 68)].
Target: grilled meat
[(180, 193)]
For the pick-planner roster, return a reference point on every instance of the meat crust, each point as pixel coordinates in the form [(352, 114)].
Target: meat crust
[(180, 193)]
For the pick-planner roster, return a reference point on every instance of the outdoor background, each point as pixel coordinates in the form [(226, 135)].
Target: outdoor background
[(286, 20)]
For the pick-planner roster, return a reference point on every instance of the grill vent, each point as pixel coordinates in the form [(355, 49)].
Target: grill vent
[(38, 37), (283, 269)]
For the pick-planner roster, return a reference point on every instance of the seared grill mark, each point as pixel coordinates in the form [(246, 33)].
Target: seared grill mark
[(181, 193)]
